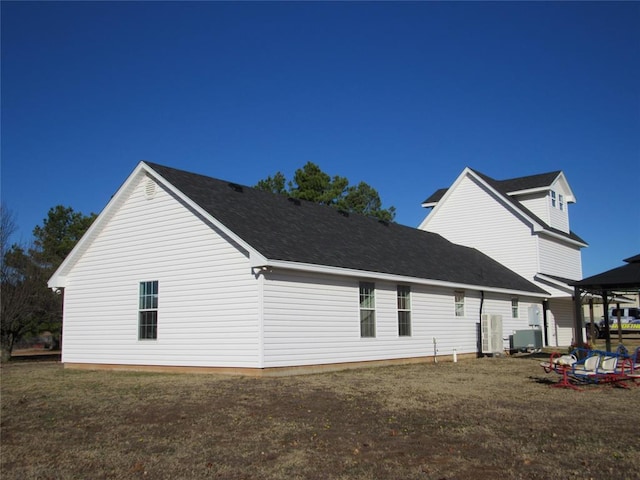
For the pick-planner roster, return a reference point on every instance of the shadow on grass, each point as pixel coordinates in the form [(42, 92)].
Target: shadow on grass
[(543, 380), (52, 356)]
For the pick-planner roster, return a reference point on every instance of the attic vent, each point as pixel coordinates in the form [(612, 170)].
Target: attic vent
[(236, 187), (295, 201), (344, 213), (150, 189)]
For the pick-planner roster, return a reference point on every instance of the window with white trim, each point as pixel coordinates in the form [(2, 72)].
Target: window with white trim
[(553, 198), (561, 202), (148, 311), (459, 303), (404, 310), (514, 308), (367, 310)]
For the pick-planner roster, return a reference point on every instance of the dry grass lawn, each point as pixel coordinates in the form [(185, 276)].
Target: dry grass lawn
[(482, 419)]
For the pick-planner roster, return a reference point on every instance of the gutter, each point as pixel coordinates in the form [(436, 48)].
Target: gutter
[(348, 272)]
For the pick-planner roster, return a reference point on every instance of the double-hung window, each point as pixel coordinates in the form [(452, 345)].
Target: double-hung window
[(459, 303), (561, 202), (404, 310), (553, 198), (367, 310), (514, 307), (148, 311)]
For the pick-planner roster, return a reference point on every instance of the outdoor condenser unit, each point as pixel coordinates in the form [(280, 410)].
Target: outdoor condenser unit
[(527, 339), (491, 331)]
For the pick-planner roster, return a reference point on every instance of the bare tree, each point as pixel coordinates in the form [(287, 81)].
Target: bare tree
[(28, 307), (21, 283), (8, 227)]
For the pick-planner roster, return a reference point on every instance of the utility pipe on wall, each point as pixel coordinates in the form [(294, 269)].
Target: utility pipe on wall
[(435, 351)]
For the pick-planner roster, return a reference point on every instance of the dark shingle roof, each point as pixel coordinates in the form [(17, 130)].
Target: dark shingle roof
[(526, 183), (510, 185), (436, 196), (505, 187), (304, 232), (625, 278)]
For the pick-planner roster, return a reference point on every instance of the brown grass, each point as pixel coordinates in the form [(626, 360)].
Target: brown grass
[(481, 419)]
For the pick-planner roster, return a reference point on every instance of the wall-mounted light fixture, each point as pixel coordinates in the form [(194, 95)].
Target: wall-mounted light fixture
[(262, 269)]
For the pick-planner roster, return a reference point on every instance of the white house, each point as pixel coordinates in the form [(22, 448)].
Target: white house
[(523, 223), (185, 271)]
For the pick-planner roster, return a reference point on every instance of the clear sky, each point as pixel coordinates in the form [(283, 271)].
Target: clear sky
[(400, 95)]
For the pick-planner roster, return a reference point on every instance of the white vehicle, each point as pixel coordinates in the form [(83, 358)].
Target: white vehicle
[(629, 321)]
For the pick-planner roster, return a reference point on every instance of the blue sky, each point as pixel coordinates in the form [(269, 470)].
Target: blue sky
[(400, 95)]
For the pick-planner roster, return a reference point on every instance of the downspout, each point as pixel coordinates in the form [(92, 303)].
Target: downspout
[(479, 325), (545, 321), (259, 276), (577, 318)]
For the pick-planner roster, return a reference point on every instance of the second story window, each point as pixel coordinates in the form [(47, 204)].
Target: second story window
[(561, 202), (553, 198)]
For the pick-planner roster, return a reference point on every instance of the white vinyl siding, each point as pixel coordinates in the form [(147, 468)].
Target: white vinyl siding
[(541, 206), (209, 299), (471, 215), (487, 224), (560, 318), (499, 305), (559, 218), (538, 204), (560, 259), (314, 319)]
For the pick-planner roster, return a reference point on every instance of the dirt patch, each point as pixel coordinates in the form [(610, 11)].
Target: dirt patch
[(481, 419)]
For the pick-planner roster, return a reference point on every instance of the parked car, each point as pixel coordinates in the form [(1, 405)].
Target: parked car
[(629, 321)]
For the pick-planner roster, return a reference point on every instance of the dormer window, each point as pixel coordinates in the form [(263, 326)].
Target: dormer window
[(553, 198), (561, 202)]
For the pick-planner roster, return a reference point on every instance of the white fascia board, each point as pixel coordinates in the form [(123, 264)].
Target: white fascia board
[(527, 191), (568, 195), (555, 281), (560, 285), (58, 279), (350, 272), (563, 238)]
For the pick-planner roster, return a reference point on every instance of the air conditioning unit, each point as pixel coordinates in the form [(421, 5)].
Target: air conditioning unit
[(491, 331)]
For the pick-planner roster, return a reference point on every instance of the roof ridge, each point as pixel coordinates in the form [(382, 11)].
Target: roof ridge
[(315, 234)]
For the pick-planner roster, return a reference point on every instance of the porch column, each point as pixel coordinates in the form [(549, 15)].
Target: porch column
[(578, 337)]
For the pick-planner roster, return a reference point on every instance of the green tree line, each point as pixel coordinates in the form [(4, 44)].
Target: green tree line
[(311, 183), (28, 307)]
